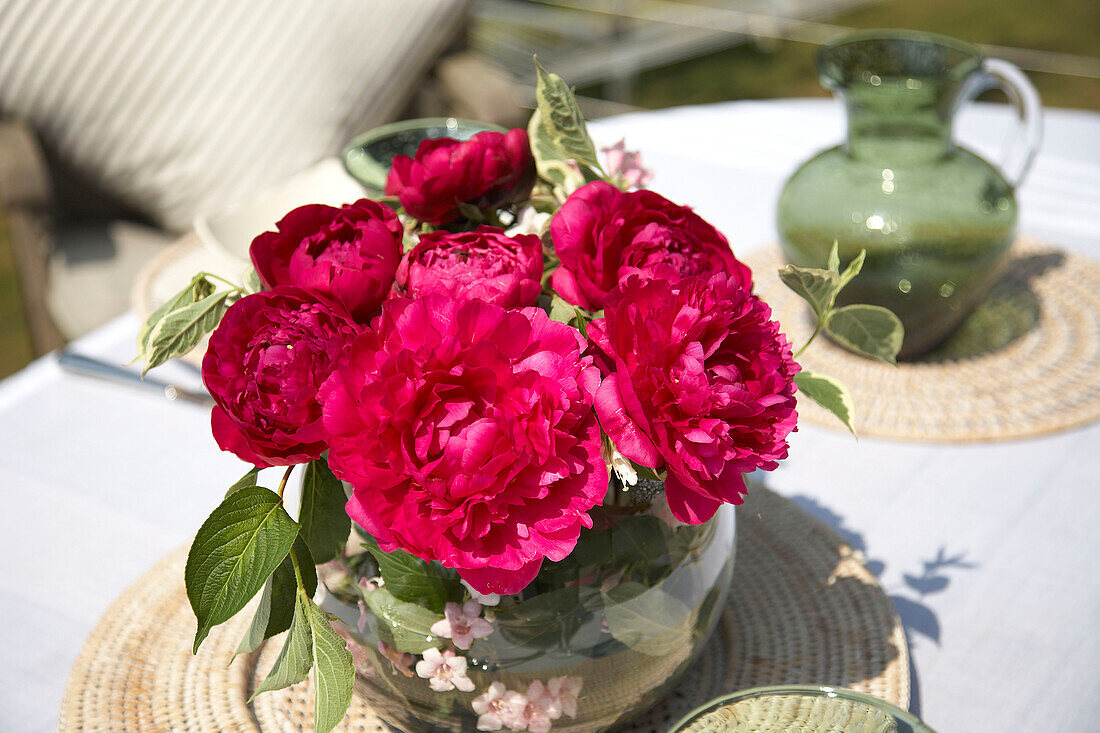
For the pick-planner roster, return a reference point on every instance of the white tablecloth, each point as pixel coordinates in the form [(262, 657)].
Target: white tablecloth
[(988, 550)]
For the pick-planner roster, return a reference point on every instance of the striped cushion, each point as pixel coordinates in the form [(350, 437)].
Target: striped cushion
[(185, 106)]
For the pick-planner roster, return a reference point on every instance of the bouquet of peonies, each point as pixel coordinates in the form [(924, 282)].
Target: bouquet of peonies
[(519, 385)]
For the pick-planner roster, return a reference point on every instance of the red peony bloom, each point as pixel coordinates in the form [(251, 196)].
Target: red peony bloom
[(485, 264), (349, 253), (701, 384), (490, 170), (265, 362), (602, 235), (468, 433)]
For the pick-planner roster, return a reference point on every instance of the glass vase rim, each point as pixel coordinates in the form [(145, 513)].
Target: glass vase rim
[(826, 58), (803, 690)]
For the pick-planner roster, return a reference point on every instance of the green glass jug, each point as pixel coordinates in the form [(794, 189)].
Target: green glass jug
[(936, 220)]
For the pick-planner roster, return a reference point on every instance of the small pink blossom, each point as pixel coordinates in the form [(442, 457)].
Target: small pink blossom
[(444, 671), (371, 583), (566, 690), (401, 661), (363, 617), (367, 584), (359, 656), (498, 708), (462, 624), (485, 599), (626, 166), (541, 708)]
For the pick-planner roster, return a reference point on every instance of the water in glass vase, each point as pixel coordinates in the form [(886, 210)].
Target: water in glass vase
[(595, 640)]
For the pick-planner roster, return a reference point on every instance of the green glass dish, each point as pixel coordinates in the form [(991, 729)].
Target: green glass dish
[(798, 708), (367, 158), (937, 220)]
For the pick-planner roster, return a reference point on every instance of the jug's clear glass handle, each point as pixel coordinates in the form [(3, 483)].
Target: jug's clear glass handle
[(1000, 74)]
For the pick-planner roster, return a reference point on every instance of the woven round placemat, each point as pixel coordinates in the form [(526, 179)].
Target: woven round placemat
[(802, 609), (1025, 363)]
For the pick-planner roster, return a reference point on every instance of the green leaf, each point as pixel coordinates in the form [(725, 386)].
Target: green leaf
[(547, 621), (238, 546), (646, 619), (285, 585), (551, 161), (471, 212), (183, 328), (648, 472), (255, 635), (325, 523), (565, 312), (197, 289), (561, 310), (252, 283), (296, 657), (277, 602), (640, 539), (408, 624), (869, 330), (543, 148), (249, 479), (686, 539), (562, 118), (853, 268), (833, 263), (408, 578), (828, 392), (592, 550), (816, 287), (333, 671)]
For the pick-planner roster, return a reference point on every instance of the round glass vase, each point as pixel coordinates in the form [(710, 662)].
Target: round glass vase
[(593, 641)]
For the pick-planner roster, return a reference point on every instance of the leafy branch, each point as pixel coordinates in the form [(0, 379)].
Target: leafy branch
[(178, 325), (868, 330), (250, 543), (564, 153)]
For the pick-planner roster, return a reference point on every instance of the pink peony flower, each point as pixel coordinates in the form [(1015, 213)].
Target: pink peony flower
[(498, 708), (626, 166), (484, 264), (489, 171), (468, 435), (603, 235), (349, 253), (701, 384), (265, 362), (444, 671), (462, 624)]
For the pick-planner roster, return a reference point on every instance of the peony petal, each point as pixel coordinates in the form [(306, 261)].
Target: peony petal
[(230, 437), (501, 582), (624, 432), (686, 504)]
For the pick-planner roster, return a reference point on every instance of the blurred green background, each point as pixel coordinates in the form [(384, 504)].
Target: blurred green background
[(765, 68)]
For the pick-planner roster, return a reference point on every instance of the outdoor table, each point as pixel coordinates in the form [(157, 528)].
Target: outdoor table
[(987, 549)]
